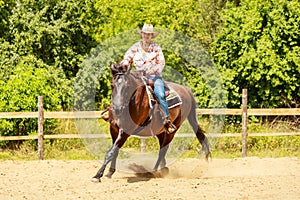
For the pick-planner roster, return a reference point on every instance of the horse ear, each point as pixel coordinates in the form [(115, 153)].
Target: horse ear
[(111, 65), (113, 69)]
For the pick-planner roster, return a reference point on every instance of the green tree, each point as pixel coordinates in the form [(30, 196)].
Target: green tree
[(259, 49), (5, 12), (198, 20), (19, 91), (42, 46), (52, 31)]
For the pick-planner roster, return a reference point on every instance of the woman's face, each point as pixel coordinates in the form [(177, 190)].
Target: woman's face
[(146, 37)]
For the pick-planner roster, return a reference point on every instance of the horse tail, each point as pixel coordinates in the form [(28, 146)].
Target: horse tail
[(200, 133)]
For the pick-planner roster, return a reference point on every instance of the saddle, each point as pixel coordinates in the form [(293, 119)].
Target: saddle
[(150, 83), (173, 99)]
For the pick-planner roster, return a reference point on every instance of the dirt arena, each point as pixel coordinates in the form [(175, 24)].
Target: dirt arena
[(249, 178)]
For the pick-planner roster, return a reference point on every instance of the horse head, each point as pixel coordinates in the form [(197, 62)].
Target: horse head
[(122, 88)]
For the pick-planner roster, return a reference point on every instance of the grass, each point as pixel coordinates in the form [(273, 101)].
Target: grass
[(60, 149), (222, 147)]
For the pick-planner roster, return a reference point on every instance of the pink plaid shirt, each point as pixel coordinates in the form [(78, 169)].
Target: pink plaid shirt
[(151, 61)]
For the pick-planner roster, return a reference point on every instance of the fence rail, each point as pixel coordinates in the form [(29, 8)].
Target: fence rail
[(244, 112), (97, 114), (180, 135)]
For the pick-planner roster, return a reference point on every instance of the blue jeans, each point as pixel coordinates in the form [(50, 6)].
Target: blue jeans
[(159, 91)]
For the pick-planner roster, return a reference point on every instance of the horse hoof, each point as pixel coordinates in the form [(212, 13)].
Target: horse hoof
[(207, 156), (108, 176), (161, 173), (164, 171), (96, 180)]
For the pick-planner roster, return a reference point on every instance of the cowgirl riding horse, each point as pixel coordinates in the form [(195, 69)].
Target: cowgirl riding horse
[(129, 112), (149, 60)]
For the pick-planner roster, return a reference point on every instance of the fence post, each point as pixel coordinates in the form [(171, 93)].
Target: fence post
[(40, 128), (143, 144), (244, 122)]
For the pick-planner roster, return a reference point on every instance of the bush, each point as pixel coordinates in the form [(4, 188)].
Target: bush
[(20, 89)]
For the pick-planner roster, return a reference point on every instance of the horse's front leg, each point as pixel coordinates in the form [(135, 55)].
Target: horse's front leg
[(114, 131), (112, 167), (111, 154)]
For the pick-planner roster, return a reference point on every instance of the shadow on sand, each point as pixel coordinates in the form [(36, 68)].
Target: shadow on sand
[(143, 174)]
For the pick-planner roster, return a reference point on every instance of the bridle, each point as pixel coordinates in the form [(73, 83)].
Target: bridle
[(126, 102), (125, 105)]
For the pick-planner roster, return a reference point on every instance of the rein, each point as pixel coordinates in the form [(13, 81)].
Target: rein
[(119, 74)]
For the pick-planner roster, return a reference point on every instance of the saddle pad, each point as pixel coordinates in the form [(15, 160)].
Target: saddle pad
[(173, 99)]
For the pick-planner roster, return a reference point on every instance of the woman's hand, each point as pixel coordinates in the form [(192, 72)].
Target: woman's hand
[(124, 63)]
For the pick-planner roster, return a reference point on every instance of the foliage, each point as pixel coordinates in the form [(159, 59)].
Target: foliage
[(52, 31), (258, 49), (193, 18), (42, 45), (62, 49), (19, 92), (5, 12), (180, 23), (28, 80)]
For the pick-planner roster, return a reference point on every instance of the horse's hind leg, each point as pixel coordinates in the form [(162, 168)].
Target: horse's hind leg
[(111, 154), (161, 161), (199, 133), (164, 141)]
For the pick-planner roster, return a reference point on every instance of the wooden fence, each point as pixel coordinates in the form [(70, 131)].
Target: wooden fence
[(244, 112)]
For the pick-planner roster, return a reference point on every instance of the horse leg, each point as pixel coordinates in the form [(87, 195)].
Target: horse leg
[(161, 161), (164, 141), (112, 168), (111, 154), (199, 133)]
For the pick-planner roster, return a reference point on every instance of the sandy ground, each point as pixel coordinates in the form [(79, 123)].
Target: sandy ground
[(248, 178)]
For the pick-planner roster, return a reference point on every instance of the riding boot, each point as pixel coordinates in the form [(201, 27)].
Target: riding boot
[(169, 126)]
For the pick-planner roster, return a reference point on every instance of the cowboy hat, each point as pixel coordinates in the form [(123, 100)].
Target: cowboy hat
[(148, 28)]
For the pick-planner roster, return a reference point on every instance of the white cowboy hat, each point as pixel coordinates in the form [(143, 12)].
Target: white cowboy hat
[(148, 28)]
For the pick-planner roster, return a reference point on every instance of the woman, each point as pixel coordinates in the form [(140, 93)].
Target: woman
[(148, 59)]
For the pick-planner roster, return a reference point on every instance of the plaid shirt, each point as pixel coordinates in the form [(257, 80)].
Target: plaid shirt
[(152, 61)]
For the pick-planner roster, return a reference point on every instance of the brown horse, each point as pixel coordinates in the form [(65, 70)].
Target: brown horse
[(130, 114)]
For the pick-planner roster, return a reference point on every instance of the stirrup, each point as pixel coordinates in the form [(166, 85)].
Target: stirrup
[(169, 126)]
